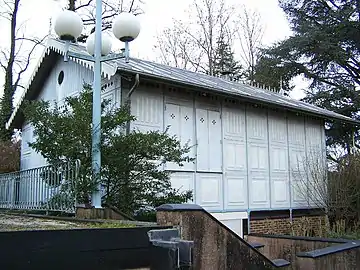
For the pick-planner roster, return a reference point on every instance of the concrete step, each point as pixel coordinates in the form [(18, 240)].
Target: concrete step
[(277, 262), (280, 262), (256, 245)]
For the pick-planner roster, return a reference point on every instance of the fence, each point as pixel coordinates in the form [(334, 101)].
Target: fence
[(45, 188)]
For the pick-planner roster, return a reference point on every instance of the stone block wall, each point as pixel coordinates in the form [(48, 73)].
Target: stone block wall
[(215, 246), (311, 253), (299, 226)]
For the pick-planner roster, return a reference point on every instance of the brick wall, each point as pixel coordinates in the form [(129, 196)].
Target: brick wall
[(300, 226)]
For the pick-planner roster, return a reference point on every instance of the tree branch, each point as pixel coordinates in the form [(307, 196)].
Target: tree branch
[(27, 62), (83, 5)]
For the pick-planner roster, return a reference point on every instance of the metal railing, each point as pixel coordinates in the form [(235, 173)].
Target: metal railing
[(49, 188)]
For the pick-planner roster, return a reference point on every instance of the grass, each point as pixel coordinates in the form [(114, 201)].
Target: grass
[(83, 226), (25, 223), (345, 235)]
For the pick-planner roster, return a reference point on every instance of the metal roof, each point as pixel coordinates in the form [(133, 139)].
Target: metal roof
[(194, 79)]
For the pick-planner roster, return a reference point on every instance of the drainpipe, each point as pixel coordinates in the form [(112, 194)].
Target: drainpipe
[(128, 100), (249, 212), (127, 103)]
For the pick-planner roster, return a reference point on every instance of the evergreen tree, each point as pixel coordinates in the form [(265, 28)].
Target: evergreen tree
[(10, 85), (324, 48), (65, 136), (272, 72), (224, 62), (5, 112)]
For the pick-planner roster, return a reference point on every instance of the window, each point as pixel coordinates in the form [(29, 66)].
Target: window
[(61, 77)]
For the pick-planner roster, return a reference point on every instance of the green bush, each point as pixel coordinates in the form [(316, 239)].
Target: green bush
[(9, 156)]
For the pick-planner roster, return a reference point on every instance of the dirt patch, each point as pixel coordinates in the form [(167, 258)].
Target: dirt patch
[(14, 223)]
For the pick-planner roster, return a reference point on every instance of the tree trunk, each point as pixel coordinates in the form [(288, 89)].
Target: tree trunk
[(7, 99), (72, 5)]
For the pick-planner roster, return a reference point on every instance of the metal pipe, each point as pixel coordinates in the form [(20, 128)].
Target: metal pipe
[(136, 84), (96, 113), (128, 100), (249, 223), (127, 54), (66, 55)]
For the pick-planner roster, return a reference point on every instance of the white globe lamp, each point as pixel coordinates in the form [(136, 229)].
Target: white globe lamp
[(106, 44), (68, 25), (126, 27)]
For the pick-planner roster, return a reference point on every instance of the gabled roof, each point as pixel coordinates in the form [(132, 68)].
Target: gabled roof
[(174, 75)]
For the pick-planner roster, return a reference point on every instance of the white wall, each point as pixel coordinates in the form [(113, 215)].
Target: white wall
[(74, 77), (246, 157)]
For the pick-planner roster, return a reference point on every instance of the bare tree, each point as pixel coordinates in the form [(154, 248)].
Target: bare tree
[(192, 44), (14, 60), (250, 33), (87, 10), (337, 192), (175, 48)]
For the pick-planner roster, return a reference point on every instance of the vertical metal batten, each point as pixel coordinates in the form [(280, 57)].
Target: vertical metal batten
[(306, 162), (222, 154), (96, 114), (269, 157), (196, 146), (247, 166), (289, 165)]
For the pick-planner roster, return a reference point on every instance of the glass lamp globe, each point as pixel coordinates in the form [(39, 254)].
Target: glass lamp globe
[(126, 27), (68, 25), (106, 44)]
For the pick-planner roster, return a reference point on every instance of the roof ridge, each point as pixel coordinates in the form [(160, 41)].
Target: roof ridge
[(254, 84), (219, 84)]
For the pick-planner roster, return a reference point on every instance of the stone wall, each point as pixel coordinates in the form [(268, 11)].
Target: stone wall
[(286, 247), (100, 213), (310, 253), (215, 246), (299, 226)]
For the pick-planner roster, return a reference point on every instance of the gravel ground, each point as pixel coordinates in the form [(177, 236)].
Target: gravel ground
[(16, 223)]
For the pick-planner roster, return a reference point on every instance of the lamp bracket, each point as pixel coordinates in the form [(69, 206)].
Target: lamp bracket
[(113, 56), (80, 56)]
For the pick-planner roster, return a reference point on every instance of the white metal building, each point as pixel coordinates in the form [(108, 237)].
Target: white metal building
[(246, 140)]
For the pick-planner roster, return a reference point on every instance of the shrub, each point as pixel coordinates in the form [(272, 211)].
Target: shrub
[(9, 156)]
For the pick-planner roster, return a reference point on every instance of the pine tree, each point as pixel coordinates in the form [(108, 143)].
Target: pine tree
[(325, 49), (224, 62)]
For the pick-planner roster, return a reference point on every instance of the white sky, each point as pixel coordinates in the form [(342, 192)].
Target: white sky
[(158, 14)]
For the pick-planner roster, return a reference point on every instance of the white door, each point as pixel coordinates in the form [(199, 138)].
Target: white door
[(235, 165), (180, 120), (208, 131)]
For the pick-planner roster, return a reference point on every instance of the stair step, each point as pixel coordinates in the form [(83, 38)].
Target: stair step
[(280, 262), (256, 245)]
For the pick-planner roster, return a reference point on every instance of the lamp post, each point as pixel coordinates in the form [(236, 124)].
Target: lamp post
[(68, 26)]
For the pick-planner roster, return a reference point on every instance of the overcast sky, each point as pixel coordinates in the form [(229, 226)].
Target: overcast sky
[(157, 15)]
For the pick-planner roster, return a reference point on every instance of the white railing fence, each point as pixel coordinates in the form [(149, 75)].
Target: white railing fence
[(49, 188)]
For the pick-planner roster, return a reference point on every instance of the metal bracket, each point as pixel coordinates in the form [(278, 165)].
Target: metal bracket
[(79, 56), (113, 56), (170, 239), (90, 58)]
